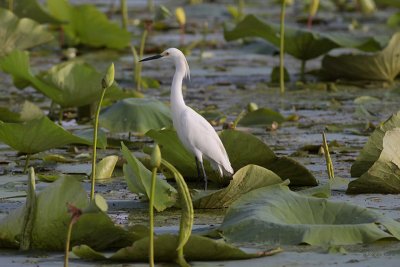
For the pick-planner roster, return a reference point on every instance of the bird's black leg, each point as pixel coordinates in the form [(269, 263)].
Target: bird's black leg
[(204, 176)]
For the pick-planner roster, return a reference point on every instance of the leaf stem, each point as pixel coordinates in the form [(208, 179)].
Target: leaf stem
[(303, 70), (67, 242), (96, 126), (282, 49), (28, 158), (151, 214), (329, 164), (124, 12)]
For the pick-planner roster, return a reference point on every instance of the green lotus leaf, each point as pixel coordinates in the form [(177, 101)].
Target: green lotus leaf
[(137, 115), (87, 134), (302, 44), (175, 153), (20, 33), (382, 66), (198, 248), (242, 148), (261, 116), (50, 221), (138, 179), (244, 180), (276, 215), (78, 83), (105, 167), (70, 84), (87, 25), (37, 135), (31, 9), (374, 146), (384, 174), (25, 112)]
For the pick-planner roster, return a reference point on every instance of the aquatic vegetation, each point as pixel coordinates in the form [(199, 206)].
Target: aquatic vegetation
[(299, 43), (20, 33), (87, 25), (63, 83), (33, 10), (50, 219), (383, 175), (243, 181), (276, 215), (137, 115), (198, 248), (138, 179), (242, 148), (382, 66)]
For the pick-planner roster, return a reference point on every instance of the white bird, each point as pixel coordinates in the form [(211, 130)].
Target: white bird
[(196, 133)]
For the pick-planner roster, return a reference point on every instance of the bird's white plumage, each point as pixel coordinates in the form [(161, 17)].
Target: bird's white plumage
[(195, 132)]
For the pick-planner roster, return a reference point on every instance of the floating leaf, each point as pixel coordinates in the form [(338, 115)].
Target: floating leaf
[(187, 218), (261, 116), (198, 248), (302, 44), (138, 179), (242, 148), (384, 175), (50, 221), (137, 115), (20, 33), (87, 25), (244, 180), (33, 10), (105, 167), (174, 152), (24, 112), (37, 135), (276, 215), (78, 83), (382, 66), (70, 84), (374, 146)]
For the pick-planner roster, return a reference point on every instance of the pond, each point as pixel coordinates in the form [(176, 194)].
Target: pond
[(228, 80)]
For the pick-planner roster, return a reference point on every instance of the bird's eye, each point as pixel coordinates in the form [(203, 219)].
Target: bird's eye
[(167, 53)]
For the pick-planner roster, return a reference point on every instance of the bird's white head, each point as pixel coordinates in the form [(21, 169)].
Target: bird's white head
[(178, 58)]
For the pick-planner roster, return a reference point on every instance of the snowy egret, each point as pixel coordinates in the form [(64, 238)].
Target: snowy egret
[(196, 133)]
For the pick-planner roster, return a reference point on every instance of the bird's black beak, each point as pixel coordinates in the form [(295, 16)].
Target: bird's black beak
[(151, 58)]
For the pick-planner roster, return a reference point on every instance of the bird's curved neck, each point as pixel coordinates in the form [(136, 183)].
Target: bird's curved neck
[(177, 100)]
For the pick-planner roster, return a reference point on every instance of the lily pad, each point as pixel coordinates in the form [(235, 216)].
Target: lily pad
[(50, 220), (302, 44), (33, 10), (137, 115), (382, 66), (20, 33), (261, 116), (25, 112), (175, 153), (374, 146), (276, 215), (198, 248), (242, 148), (384, 174), (70, 84), (138, 179), (87, 25), (244, 180), (105, 167), (37, 135)]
